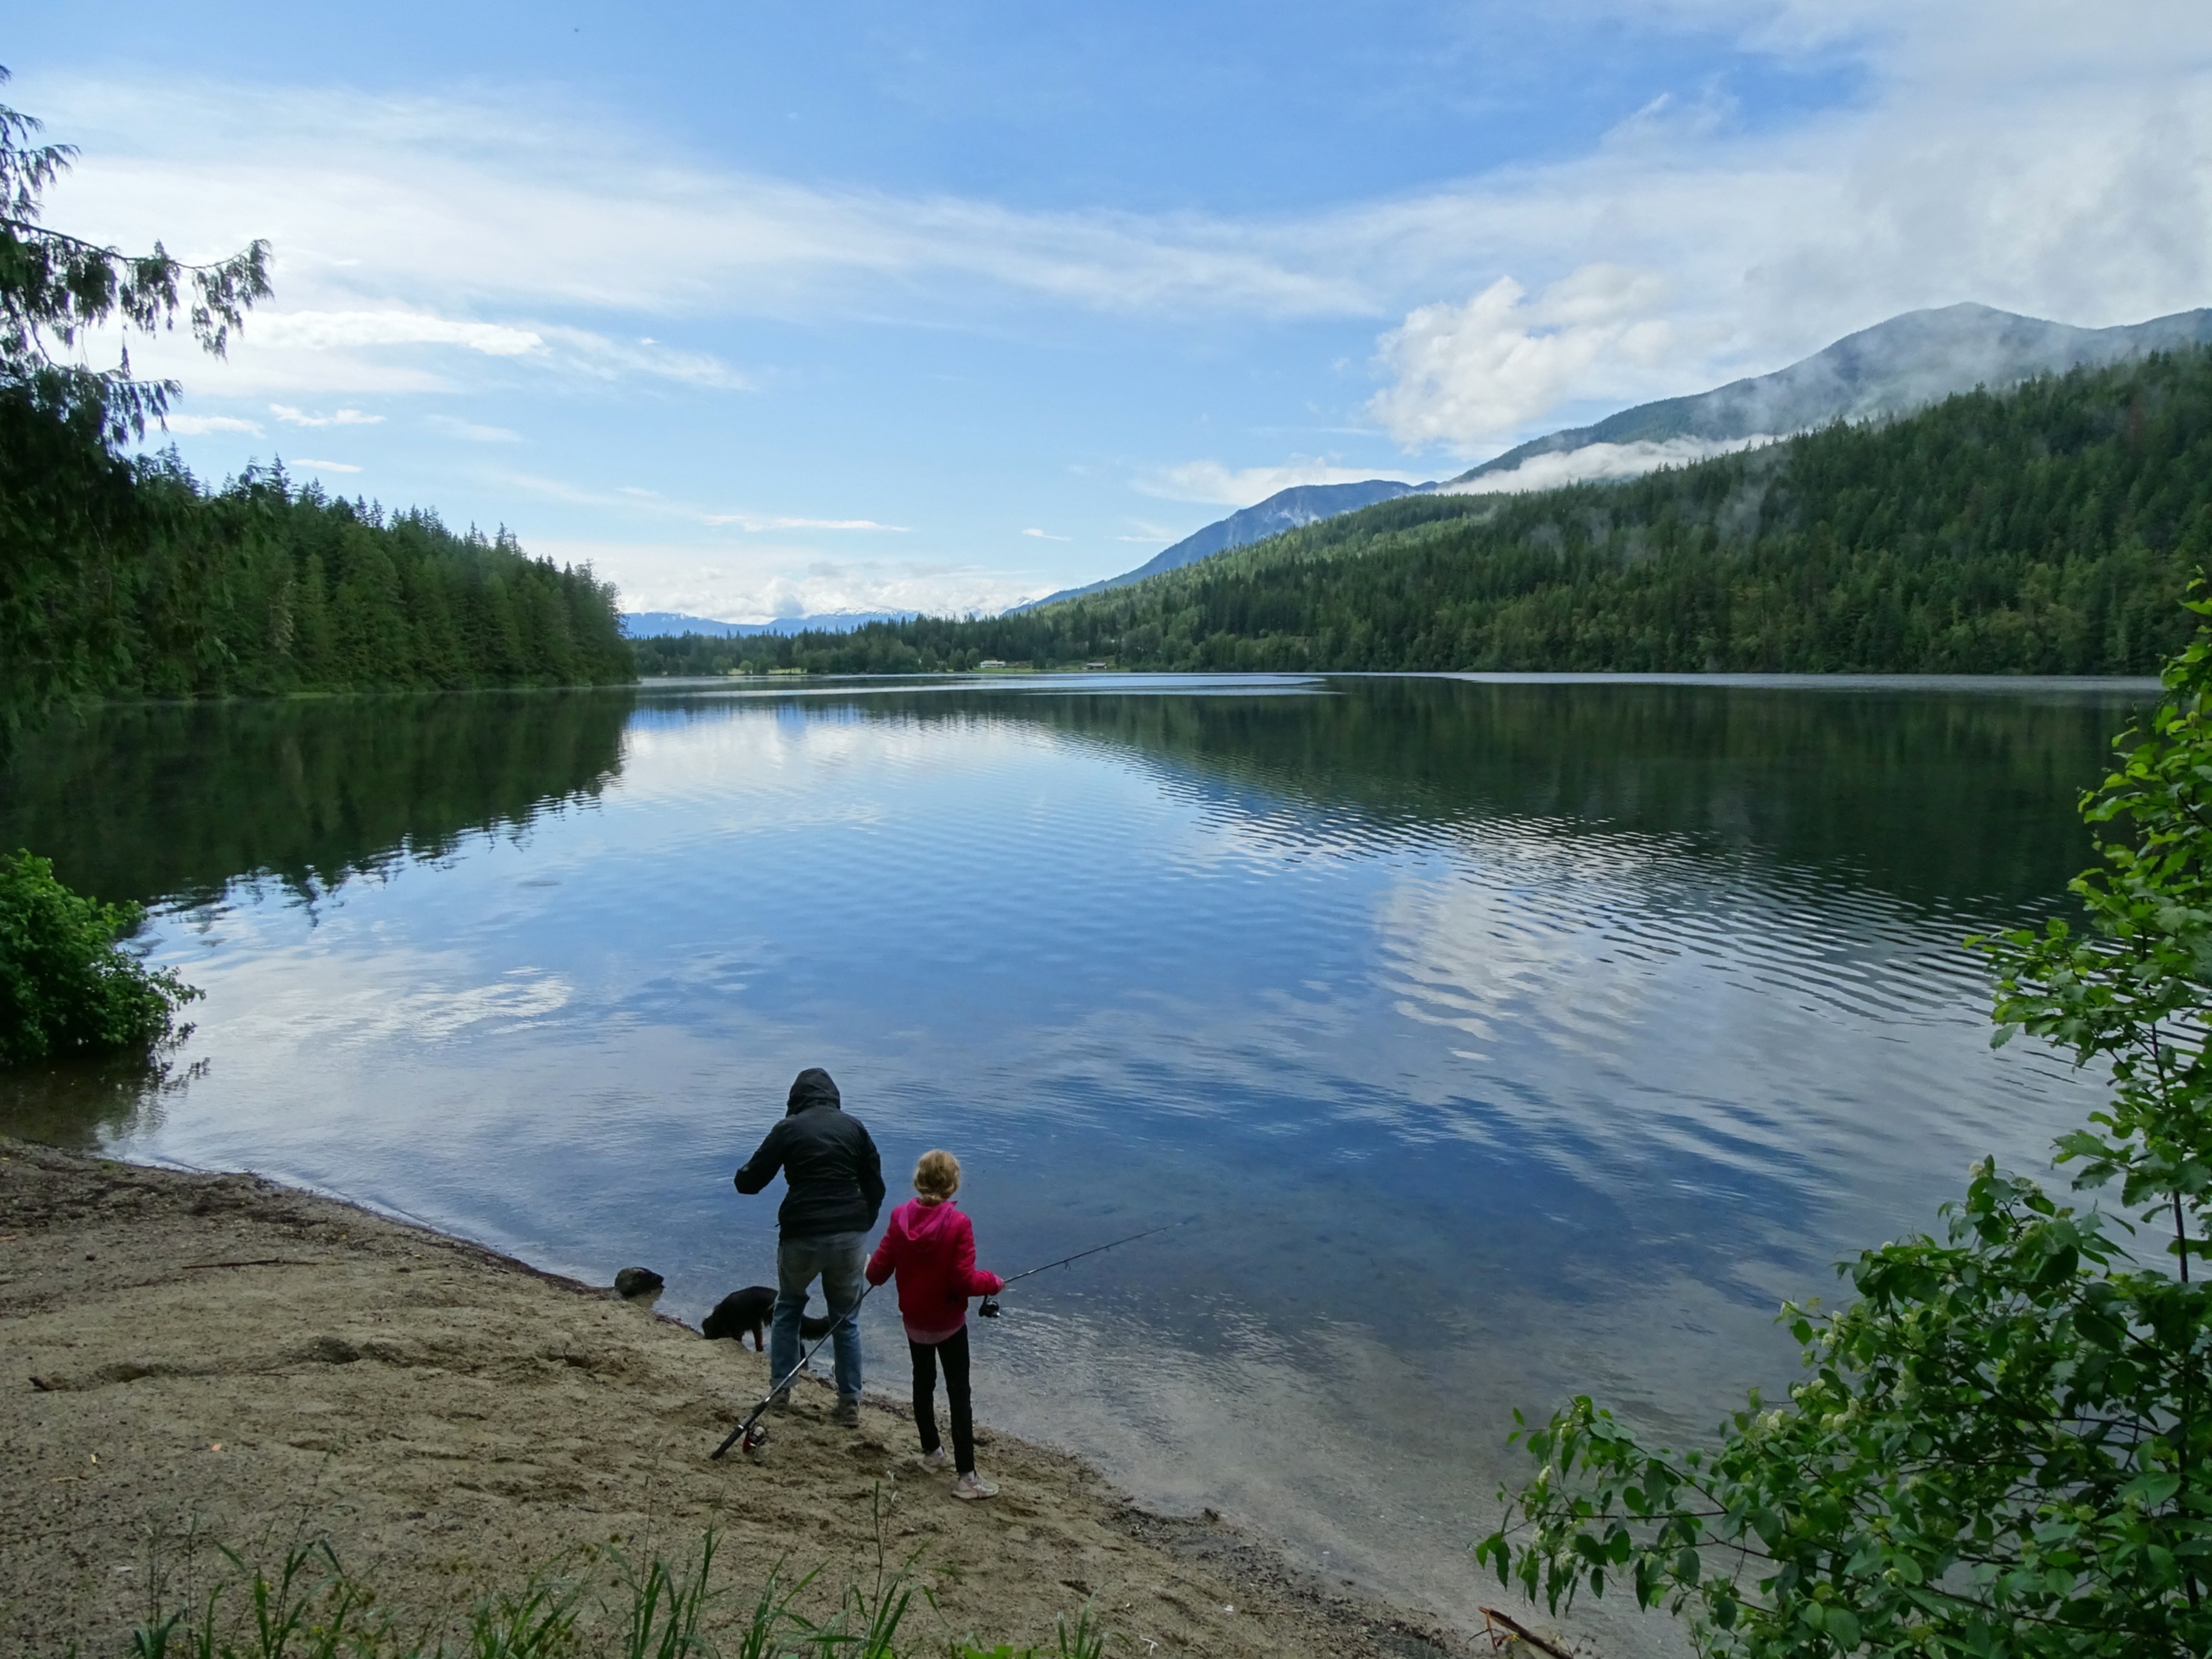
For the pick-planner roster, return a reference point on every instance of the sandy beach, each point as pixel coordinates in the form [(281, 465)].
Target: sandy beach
[(199, 1360)]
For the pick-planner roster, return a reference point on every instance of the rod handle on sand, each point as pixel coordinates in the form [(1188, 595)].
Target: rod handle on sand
[(743, 1430)]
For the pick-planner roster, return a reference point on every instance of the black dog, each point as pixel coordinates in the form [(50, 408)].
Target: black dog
[(748, 1310)]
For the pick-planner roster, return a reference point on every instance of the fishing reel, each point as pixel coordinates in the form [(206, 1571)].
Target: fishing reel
[(755, 1438), (988, 1308)]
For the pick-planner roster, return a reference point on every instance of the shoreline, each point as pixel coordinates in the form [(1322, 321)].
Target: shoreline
[(450, 1419)]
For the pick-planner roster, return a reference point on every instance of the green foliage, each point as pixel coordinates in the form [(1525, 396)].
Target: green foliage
[(65, 988), (772, 1615), (1084, 1638), (1985, 1458), (2048, 529), (2002, 1446), (311, 1608), (54, 287), (2132, 990)]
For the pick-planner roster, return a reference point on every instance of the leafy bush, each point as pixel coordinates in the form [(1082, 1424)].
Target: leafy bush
[(65, 989), (2003, 1446)]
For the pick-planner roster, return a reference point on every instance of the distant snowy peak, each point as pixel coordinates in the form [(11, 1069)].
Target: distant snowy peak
[(651, 624), (1905, 363)]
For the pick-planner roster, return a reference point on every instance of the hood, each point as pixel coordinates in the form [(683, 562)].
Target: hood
[(923, 1220), (812, 1087)]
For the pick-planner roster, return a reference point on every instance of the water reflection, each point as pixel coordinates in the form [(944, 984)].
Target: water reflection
[(1929, 793), (85, 1104), (1508, 1039), (172, 801)]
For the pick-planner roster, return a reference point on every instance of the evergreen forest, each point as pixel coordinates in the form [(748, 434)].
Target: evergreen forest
[(2048, 529), (124, 577), (121, 576)]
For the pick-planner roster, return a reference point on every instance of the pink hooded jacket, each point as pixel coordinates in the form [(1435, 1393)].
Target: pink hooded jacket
[(932, 1249)]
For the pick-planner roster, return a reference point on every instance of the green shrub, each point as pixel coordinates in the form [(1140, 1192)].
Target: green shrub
[(2001, 1447), (65, 989)]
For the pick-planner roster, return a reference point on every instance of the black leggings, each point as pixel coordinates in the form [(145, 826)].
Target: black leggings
[(953, 1350)]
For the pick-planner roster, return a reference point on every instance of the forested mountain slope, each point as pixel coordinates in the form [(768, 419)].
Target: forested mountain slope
[(125, 578), (1895, 367), (1287, 510), (2048, 529)]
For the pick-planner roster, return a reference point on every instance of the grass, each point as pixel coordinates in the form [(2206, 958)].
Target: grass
[(309, 1607)]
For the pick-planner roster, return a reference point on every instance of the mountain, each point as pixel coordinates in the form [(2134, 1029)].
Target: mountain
[(654, 625), (1907, 363), (2048, 528), (1287, 510), (1896, 366)]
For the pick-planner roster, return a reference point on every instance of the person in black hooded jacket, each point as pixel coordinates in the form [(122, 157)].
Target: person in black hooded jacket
[(833, 1183)]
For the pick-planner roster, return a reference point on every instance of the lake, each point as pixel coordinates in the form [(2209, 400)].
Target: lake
[(1508, 1038)]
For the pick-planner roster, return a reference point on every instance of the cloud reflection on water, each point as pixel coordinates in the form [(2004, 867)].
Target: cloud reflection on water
[(1510, 1040)]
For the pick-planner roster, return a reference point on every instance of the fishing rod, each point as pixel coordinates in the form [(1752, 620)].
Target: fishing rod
[(752, 1432), (754, 1435), (989, 1309)]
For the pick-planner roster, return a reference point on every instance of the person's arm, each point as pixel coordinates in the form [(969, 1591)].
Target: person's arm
[(872, 1173), (760, 1168), (885, 1262), (971, 1279)]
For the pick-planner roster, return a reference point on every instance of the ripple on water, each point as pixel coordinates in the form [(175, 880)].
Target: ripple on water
[(1506, 1040)]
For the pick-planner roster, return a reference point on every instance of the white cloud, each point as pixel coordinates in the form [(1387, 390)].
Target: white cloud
[(1599, 461), (325, 466), (651, 504), (1046, 536), (482, 205), (196, 426), (2038, 155), (1467, 374), (556, 489), (472, 432), (1223, 486), (1149, 532), (751, 522), (2038, 159), (396, 350), (758, 583), (343, 417), (582, 351), (326, 331)]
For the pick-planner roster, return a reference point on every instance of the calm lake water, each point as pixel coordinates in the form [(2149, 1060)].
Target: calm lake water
[(1510, 1039)]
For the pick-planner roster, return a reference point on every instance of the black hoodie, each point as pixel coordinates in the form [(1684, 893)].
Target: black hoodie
[(828, 1163)]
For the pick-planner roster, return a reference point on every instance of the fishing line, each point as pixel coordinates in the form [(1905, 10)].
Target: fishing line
[(989, 1307)]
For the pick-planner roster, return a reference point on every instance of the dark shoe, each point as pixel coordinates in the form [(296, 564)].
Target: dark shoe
[(779, 1402), (848, 1414)]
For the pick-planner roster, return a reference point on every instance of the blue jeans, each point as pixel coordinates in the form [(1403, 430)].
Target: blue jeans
[(837, 1259)]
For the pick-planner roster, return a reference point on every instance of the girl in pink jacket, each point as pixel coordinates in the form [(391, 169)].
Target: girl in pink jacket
[(931, 1246)]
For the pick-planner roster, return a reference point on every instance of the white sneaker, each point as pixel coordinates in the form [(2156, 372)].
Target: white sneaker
[(939, 1459), (972, 1485)]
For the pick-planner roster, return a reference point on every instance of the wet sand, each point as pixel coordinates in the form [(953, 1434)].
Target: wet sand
[(215, 1356)]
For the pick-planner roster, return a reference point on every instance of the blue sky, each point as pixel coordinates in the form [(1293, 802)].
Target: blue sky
[(767, 310)]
